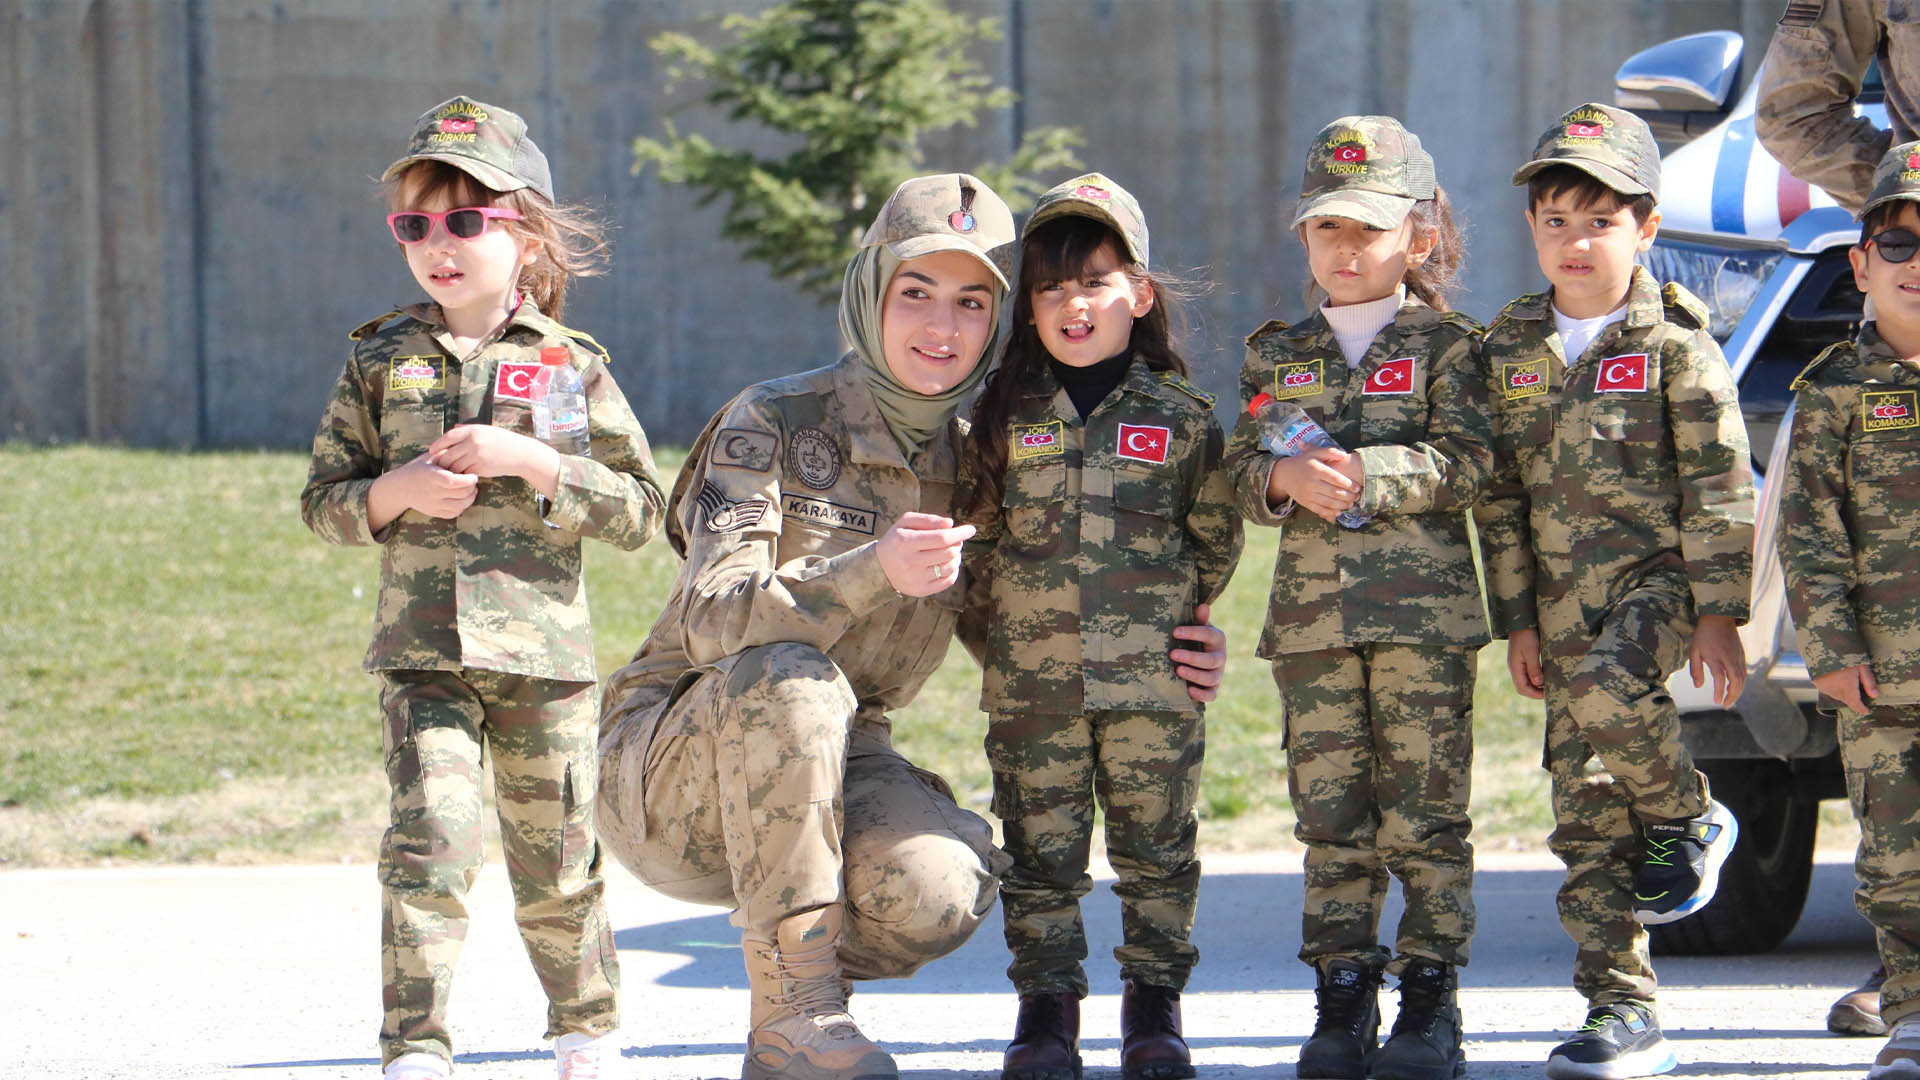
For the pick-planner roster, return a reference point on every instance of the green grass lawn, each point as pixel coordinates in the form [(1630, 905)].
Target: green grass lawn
[(180, 675)]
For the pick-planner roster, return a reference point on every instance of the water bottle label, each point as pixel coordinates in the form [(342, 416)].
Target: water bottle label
[(569, 422)]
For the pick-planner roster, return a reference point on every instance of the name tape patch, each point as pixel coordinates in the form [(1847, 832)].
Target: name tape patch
[(831, 514)]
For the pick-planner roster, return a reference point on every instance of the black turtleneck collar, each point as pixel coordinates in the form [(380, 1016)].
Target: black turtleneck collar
[(1089, 386)]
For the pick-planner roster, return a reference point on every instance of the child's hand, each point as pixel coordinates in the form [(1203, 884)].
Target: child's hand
[(1716, 646), (921, 553), (1204, 667), (1316, 480), (1853, 687), (419, 485), (1523, 663), (485, 450)]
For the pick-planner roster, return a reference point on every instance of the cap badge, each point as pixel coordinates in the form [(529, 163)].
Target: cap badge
[(458, 123), (1348, 149), (1588, 124), (1913, 161), (961, 220), (1088, 191)]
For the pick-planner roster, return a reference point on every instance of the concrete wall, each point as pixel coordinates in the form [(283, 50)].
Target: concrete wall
[(188, 227)]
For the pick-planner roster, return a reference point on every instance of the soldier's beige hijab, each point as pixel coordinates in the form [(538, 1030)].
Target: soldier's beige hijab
[(912, 417)]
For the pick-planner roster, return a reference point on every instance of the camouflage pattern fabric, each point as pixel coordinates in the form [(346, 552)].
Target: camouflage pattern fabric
[(1111, 530), (1144, 769), (490, 143), (1607, 143), (540, 736), (499, 587), (1367, 168), (775, 515), (1093, 195), (1379, 768), (1881, 754), (1848, 515), (1810, 77), (1416, 410)]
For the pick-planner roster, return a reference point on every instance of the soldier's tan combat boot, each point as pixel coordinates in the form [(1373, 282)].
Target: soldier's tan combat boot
[(801, 1029)]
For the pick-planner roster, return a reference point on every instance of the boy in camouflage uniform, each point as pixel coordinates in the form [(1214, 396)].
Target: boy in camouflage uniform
[(1848, 516), (481, 635), (1618, 530)]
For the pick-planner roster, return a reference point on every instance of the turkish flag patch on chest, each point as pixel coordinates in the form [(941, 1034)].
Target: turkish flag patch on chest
[(515, 381), (1392, 377), (1142, 442), (1622, 375)]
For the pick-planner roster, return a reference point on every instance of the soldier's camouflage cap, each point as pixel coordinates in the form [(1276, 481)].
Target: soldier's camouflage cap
[(1366, 168), (945, 212), (1896, 177), (1094, 196), (488, 143), (1611, 145)]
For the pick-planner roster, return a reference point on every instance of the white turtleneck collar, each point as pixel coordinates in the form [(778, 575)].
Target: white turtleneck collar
[(1356, 325)]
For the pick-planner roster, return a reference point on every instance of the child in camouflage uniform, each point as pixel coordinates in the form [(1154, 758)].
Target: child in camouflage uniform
[(1848, 516), (1372, 630), (481, 634), (1105, 524), (1618, 534)]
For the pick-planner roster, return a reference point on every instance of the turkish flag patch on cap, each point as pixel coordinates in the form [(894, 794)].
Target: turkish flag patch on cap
[(1622, 374), (1392, 377), (516, 381), (1141, 442)]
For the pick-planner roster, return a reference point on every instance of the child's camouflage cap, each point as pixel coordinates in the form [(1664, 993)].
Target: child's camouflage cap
[(488, 143), (1366, 168), (1896, 177), (1094, 196), (1611, 145), (947, 212)]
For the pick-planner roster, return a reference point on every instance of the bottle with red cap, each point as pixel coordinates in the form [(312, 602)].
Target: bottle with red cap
[(1287, 431), (560, 403)]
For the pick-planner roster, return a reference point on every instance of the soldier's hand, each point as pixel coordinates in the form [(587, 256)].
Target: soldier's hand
[(485, 450), (1523, 663), (420, 485), (1204, 667), (1316, 481), (1853, 687), (1716, 646), (921, 553)]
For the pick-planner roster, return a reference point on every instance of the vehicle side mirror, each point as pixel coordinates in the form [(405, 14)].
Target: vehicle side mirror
[(1681, 87)]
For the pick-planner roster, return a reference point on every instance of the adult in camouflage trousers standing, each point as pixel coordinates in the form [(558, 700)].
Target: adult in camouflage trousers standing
[(1372, 629), (481, 635), (1618, 536), (1849, 512), (1105, 525)]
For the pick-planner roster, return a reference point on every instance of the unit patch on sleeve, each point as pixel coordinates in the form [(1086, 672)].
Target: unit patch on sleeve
[(1622, 375), (1525, 379), (832, 515), (417, 373), (724, 515), (1036, 440), (1886, 410), (1300, 379), (1392, 377), (813, 457), (1144, 442), (744, 448)]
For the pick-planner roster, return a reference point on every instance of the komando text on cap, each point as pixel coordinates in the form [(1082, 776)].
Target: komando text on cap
[(1094, 196), (945, 212), (1366, 168), (1896, 177), (486, 142), (1611, 145)]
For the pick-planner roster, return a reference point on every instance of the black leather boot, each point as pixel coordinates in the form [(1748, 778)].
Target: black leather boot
[(1151, 1046), (1046, 1039), (1425, 1043), (1347, 1030)]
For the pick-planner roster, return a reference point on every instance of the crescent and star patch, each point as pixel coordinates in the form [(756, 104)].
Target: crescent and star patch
[(744, 448)]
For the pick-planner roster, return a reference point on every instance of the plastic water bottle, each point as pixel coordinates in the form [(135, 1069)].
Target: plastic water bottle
[(560, 403), (1287, 431)]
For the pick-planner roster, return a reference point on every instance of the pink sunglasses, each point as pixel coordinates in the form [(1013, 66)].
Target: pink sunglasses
[(465, 222)]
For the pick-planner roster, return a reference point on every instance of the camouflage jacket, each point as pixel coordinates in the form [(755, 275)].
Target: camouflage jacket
[(1812, 73), (775, 515), (1628, 466), (499, 587), (1110, 530), (1850, 511), (1415, 411)]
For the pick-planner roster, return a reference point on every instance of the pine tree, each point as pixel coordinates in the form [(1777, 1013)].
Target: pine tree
[(852, 86)]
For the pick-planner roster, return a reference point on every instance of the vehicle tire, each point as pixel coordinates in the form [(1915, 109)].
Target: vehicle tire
[(1763, 885)]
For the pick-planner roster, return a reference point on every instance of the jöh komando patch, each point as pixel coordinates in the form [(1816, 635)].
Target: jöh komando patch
[(1299, 379), (1036, 440), (1887, 410)]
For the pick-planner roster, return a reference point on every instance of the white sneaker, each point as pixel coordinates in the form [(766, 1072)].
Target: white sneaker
[(587, 1057), (417, 1066), (1900, 1058)]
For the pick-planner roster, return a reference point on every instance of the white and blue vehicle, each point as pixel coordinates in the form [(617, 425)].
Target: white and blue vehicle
[(1768, 256)]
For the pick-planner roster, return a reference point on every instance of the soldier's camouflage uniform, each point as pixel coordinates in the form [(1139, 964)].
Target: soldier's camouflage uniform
[(746, 752), (481, 634), (1372, 631), (1848, 517), (1621, 513), (1812, 73), (1111, 529)]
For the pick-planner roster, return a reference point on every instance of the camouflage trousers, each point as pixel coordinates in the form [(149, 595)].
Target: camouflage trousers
[(1615, 758), (1144, 770), (1881, 753), (764, 786), (1379, 768), (539, 734)]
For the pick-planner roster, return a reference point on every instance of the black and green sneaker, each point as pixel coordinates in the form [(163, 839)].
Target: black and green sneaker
[(1681, 867), (1618, 1041)]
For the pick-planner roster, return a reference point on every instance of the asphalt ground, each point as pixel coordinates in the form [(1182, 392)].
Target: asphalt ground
[(272, 972)]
